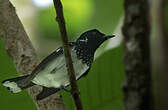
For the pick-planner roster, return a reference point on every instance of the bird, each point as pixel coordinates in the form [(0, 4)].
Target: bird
[(52, 72)]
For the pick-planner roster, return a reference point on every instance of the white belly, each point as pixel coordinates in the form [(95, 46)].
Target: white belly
[(60, 76)]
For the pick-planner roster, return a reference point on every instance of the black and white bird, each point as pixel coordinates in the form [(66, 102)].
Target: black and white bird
[(52, 73)]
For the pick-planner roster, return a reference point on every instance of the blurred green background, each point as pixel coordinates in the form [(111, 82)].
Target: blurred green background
[(101, 88)]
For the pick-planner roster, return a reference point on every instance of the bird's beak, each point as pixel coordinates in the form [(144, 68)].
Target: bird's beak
[(108, 36)]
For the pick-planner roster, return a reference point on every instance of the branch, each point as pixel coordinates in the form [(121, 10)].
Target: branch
[(159, 38), (70, 69), (136, 31), (21, 51)]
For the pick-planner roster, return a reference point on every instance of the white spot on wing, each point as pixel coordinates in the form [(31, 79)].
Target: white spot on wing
[(58, 50)]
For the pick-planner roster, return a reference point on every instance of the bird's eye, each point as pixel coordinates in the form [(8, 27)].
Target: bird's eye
[(84, 40)]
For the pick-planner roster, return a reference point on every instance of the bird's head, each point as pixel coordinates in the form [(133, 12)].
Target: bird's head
[(92, 39)]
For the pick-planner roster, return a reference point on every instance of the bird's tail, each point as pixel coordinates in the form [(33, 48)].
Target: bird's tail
[(15, 85)]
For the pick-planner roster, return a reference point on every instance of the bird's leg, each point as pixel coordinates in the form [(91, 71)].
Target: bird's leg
[(63, 88)]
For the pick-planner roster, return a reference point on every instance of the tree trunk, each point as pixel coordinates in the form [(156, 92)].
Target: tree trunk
[(159, 44), (20, 49), (136, 31)]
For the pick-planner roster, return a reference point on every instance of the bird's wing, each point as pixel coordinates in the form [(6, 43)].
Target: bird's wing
[(49, 58), (46, 92)]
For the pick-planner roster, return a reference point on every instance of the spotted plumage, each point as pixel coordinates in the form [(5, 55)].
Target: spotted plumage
[(84, 55), (52, 72)]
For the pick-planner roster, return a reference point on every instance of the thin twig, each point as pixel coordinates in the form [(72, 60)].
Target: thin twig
[(74, 89), (159, 48)]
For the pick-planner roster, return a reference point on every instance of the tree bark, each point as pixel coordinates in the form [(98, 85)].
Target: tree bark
[(21, 51), (159, 44), (136, 31)]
